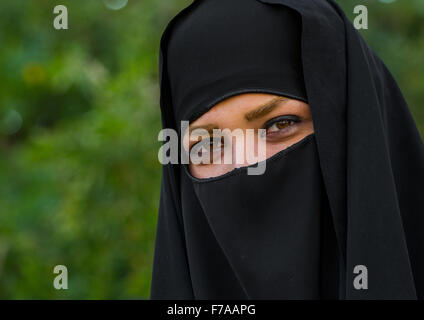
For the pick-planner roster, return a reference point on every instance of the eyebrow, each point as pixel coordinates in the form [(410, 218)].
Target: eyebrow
[(264, 109)]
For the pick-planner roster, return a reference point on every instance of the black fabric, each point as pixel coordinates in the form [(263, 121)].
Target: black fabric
[(268, 226), (228, 47), (370, 156)]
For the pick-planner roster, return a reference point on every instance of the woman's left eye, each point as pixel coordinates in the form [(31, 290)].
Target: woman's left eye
[(280, 123)]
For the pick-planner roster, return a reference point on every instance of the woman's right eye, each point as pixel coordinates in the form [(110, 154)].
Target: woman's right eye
[(207, 146)]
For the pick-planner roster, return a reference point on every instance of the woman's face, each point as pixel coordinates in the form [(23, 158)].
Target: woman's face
[(285, 121)]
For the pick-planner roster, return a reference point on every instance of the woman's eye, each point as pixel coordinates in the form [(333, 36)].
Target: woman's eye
[(280, 123), (207, 145)]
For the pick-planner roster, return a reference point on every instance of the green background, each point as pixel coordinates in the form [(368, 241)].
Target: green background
[(79, 119)]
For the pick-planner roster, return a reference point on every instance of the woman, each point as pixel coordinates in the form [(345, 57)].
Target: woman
[(338, 212)]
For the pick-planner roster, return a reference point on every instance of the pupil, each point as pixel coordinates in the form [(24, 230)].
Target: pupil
[(282, 124)]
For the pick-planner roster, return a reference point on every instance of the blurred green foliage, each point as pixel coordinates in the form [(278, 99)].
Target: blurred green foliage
[(79, 120)]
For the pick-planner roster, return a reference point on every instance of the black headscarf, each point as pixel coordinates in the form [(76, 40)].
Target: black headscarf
[(361, 172), (223, 48)]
